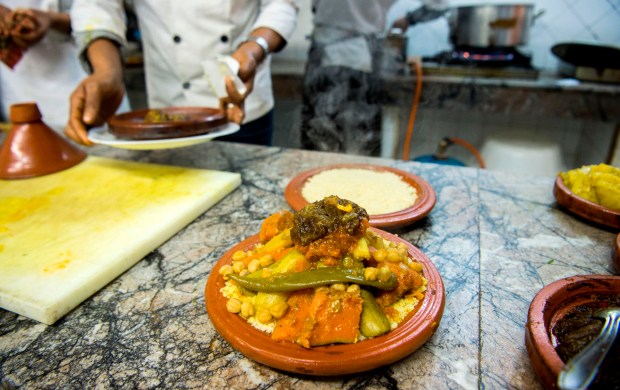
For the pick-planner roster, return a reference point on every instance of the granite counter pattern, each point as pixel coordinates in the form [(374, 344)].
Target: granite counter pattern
[(496, 239)]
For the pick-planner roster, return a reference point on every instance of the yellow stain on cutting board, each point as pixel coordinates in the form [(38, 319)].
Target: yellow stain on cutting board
[(88, 199)]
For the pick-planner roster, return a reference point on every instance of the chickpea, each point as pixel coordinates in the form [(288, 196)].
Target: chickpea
[(254, 265), (393, 256), (264, 317), (384, 274), (247, 309), (238, 266), (233, 305), (244, 272), (279, 309), (353, 288), (338, 286), (370, 273), (380, 255), (226, 270), (266, 260), (239, 255)]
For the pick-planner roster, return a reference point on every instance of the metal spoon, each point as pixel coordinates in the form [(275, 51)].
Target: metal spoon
[(581, 370)]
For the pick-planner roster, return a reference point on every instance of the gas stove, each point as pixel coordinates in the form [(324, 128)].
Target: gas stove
[(495, 62)]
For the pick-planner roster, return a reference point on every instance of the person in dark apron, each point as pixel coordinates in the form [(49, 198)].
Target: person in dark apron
[(343, 86)]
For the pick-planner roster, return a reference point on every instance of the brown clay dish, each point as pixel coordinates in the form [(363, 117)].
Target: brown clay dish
[(584, 208), (548, 306), (339, 359), (189, 121), (420, 209)]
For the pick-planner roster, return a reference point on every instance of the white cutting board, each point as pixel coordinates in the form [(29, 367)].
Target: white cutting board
[(66, 235)]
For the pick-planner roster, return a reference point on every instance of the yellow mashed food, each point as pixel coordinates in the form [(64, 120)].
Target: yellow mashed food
[(377, 192), (597, 183)]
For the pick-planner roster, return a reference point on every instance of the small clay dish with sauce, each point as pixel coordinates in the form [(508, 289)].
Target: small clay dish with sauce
[(583, 208), (166, 123), (552, 306)]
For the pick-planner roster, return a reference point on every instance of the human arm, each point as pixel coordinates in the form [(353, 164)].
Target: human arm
[(274, 25), (99, 95)]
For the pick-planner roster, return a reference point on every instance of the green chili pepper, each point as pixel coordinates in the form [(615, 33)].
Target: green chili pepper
[(311, 278), (373, 321)]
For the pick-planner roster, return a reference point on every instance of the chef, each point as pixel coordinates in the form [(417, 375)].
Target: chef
[(177, 37), (48, 70)]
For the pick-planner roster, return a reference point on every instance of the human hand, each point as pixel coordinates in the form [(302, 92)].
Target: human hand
[(29, 26), (94, 100), (401, 23)]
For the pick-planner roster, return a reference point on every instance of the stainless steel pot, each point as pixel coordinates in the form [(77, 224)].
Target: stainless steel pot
[(491, 25)]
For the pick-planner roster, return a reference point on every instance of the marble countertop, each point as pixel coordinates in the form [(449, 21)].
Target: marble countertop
[(495, 238)]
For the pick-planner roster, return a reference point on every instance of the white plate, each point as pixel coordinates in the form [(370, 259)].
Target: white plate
[(103, 136)]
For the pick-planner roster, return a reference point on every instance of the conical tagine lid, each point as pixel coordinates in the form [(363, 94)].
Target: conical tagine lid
[(32, 149)]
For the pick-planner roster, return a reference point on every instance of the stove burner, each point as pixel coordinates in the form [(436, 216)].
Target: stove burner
[(484, 57)]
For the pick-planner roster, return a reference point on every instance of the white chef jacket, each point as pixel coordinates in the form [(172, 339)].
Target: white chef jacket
[(177, 36), (47, 74)]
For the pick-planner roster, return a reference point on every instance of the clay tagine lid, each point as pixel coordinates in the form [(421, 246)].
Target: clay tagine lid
[(32, 149)]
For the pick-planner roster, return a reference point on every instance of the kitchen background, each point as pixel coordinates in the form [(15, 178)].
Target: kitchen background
[(570, 122), (583, 141)]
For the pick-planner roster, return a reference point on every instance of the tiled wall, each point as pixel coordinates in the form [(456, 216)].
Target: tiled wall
[(589, 21), (592, 21)]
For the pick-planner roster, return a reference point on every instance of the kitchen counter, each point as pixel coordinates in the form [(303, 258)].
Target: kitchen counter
[(456, 90), (495, 238)]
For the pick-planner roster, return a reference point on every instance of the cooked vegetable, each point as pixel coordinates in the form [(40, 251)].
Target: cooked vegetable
[(311, 278), (373, 321), (293, 261), (333, 318)]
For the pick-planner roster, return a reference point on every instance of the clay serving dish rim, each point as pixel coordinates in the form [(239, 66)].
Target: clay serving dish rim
[(330, 360), (549, 305), (421, 208), (101, 135), (200, 120), (584, 208)]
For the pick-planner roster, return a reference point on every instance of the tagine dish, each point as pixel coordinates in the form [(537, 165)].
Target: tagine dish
[(320, 292)]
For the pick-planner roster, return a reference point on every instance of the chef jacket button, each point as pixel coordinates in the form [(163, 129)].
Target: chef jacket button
[(176, 39), (224, 38), (186, 85)]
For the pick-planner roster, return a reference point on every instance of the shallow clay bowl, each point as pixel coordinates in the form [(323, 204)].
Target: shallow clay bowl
[(548, 306), (339, 359), (420, 209), (584, 208), (195, 121)]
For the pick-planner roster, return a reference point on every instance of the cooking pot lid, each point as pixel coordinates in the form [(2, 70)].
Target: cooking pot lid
[(590, 55)]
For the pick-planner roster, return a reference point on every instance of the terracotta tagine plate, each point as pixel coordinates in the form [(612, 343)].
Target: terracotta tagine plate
[(549, 306), (423, 205), (585, 209), (166, 123), (337, 359)]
